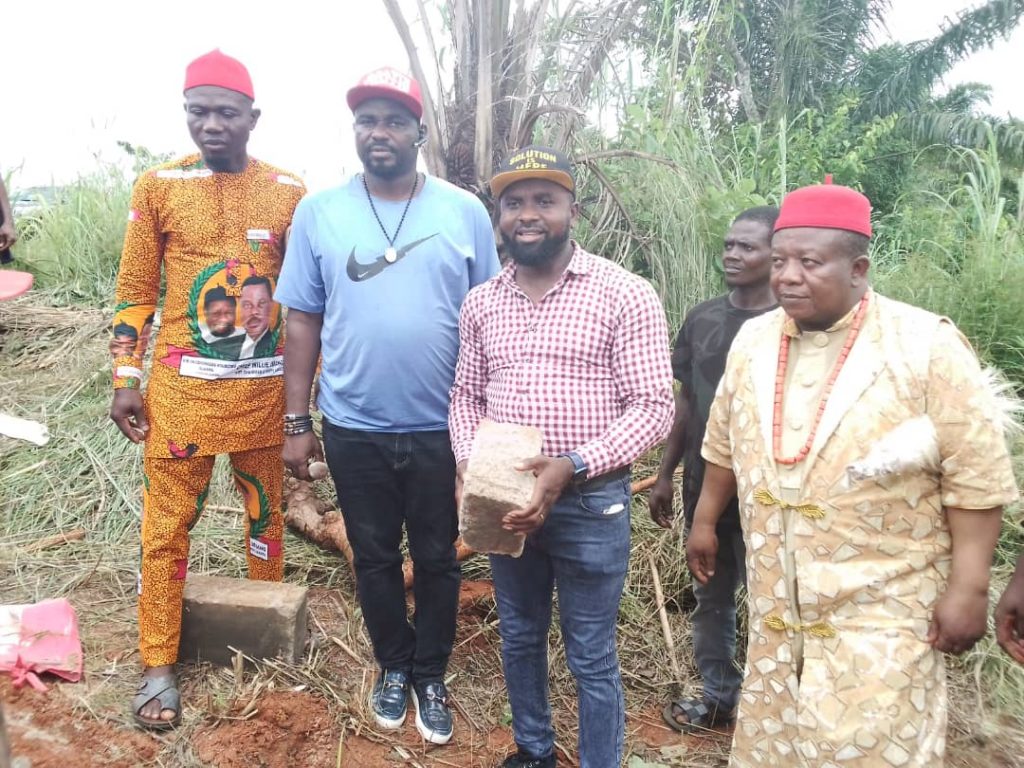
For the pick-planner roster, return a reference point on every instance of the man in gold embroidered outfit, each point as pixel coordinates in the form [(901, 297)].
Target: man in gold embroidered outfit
[(868, 456)]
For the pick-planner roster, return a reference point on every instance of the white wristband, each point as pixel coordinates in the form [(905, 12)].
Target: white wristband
[(127, 372)]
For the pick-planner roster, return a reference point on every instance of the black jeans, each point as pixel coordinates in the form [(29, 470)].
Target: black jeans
[(385, 479)]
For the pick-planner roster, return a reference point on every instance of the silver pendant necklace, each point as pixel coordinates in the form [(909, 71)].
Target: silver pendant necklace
[(391, 255)]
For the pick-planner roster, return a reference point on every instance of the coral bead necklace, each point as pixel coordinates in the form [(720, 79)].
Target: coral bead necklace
[(780, 380)]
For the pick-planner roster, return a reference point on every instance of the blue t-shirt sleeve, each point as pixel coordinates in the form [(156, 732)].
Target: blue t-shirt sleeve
[(485, 263), (301, 284)]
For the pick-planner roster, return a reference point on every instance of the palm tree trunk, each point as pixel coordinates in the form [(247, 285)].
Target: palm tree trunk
[(433, 150), (743, 81)]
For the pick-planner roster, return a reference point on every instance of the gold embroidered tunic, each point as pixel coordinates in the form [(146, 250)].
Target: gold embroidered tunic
[(847, 554)]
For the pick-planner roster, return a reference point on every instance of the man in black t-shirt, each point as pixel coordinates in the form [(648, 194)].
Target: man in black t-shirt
[(698, 362)]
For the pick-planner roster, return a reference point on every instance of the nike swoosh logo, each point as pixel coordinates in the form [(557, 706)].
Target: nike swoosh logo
[(358, 272)]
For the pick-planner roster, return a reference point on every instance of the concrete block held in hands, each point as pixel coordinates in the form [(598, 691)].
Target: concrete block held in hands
[(494, 487)]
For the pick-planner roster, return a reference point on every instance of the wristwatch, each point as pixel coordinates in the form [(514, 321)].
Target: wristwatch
[(579, 473)]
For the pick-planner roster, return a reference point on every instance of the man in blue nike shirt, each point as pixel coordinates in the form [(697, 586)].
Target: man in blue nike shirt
[(374, 278)]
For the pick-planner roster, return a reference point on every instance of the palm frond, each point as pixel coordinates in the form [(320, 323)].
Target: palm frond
[(964, 98), (901, 77), (967, 130), (815, 45)]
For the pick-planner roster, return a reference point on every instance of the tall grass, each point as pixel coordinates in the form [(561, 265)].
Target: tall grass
[(678, 212), (74, 245), (660, 196), (959, 252)]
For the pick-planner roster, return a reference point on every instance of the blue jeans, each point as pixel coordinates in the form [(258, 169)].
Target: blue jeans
[(714, 621), (583, 549), (385, 480)]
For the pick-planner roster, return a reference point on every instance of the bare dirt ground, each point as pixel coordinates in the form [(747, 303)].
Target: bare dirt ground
[(315, 716), (271, 719)]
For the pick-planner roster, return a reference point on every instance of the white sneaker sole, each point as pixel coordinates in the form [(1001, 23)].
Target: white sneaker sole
[(384, 722), (428, 733)]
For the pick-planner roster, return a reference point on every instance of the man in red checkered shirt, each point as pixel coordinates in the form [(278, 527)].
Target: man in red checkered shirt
[(576, 346)]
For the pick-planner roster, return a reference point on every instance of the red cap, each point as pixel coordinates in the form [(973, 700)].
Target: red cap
[(387, 83), (215, 68), (826, 206)]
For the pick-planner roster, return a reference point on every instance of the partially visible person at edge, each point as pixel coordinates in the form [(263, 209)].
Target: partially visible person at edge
[(698, 361), (576, 346), (1010, 615), (377, 270), (868, 454), (208, 221), (8, 234)]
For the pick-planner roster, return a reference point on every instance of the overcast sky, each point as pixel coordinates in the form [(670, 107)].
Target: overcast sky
[(82, 75)]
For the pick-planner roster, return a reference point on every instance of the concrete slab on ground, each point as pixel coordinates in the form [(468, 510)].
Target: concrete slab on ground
[(263, 619)]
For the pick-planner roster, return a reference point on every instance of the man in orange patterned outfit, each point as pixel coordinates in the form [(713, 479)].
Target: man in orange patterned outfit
[(215, 222)]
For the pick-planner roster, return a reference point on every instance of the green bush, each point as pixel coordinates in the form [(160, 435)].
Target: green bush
[(76, 244), (959, 252)]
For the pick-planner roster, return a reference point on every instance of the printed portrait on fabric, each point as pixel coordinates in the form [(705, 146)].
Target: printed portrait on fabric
[(232, 314), (126, 341)]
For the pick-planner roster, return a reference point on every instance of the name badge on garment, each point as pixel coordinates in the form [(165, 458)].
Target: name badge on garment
[(259, 549)]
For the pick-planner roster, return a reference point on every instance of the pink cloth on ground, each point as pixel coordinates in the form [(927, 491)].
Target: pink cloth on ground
[(40, 638), (13, 283)]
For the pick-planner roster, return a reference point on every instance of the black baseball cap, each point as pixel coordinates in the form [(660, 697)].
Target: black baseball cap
[(534, 162)]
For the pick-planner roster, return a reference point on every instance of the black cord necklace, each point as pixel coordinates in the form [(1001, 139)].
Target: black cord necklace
[(391, 255)]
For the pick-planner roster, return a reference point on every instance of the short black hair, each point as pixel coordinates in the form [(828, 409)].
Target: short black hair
[(764, 214), (257, 280), (852, 244), (124, 329), (217, 293)]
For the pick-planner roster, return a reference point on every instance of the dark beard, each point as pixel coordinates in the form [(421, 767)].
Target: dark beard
[(536, 254), (384, 171)]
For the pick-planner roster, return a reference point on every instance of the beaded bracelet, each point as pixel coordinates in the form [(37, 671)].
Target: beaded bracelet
[(297, 423)]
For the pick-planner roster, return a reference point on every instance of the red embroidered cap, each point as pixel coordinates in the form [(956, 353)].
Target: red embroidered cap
[(387, 83), (216, 68), (826, 206)]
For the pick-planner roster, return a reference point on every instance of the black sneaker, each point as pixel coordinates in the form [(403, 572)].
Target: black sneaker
[(523, 760), (433, 717), (389, 698)]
